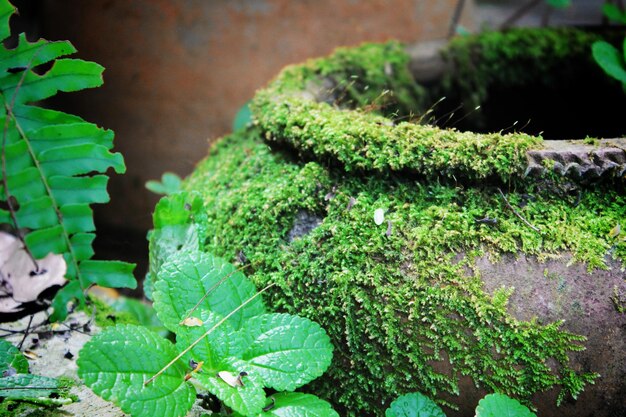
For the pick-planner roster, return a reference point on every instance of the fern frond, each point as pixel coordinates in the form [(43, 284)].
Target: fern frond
[(54, 163)]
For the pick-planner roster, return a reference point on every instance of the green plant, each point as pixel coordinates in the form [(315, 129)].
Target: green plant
[(613, 12), (16, 383), (559, 4), (48, 163), (611, 60), (493, 405), (226, 342), (169, 184)]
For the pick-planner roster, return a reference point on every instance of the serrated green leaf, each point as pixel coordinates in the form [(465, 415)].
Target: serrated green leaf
[(26, 185), (82, 245), (80, 159), (169, 184), (116, 363), (31, 118), (414, 405), (30, 55), (248, 400), (77, 218), (6, 11), (11, 357), (165, 242), (111, 274), (37, 213), (75, 190), (27, 386), (43, 241), (285, 351), (296, 404), (609, 59), (500, 405), (66, 75), (66, 294), (180, 208), (212, 349), (142, 312), (54, 136), (187, 277)]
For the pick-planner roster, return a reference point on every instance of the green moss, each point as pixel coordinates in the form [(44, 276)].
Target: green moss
[(397, 299), (107, 315), (360, 139), (398, 307)]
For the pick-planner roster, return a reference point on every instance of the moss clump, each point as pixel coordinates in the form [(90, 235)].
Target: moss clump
[(398, 307), (360, 139), (400, 301)]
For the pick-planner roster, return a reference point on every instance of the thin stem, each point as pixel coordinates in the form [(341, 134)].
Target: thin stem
[(516, 213), (30, 321), (208, 332), (209, 291), (456, 17)]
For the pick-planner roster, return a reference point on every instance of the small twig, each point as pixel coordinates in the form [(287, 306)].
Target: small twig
[(26, 332), (209, 291), (456, 17), (208, 332), (519, 13), (516, 213)]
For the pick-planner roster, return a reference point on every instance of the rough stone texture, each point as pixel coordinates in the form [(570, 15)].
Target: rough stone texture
[(555, 290), (177, 71)]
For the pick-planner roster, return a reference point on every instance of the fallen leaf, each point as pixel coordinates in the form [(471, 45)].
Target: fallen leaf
[(192, 322), (231, 379)]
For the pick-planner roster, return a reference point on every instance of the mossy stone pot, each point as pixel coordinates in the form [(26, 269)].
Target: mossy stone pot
[(445, 261)]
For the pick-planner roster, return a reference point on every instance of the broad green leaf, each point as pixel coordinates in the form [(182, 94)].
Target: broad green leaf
[(17, 158), (27, 386), (43, 241), (296, 404), (247, 400), (116, 363), (186, 279), (169, 184), (74, 190), (66, 294), (11, 357), (26, 184), (6, 10), (54, 136), (30, 55), (168, 240), (82, 245), (142, 312), (609, 59), (500, 405), (66, 75), (77, 218), (180, 208), (111, 274), (559, 4), (80, 159), (612, 12), (414, 405), (37, 214), (31, 118), (285, 351), (212, 349)]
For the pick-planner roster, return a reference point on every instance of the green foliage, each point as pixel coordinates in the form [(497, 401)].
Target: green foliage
[(499, 405), (53, 163), (17, 384), (353, 130), (390, 303), (243, 118), (220, 325), (611, 60), (414, 405), (613, 12), (169, 184), (559, 4), (492, 405)]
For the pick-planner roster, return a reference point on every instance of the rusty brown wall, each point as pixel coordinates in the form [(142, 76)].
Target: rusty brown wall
[(177, 71)]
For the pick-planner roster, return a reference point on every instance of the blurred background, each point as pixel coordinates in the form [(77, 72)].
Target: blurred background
[(177, 71)]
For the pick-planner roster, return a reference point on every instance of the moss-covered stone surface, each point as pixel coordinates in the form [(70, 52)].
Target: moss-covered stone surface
[(403, 301)]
